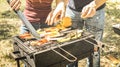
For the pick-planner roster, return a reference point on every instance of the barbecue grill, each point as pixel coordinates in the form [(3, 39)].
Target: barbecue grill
[(55, 53)]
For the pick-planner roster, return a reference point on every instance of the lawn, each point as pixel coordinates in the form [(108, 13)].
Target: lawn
[(10, 23)]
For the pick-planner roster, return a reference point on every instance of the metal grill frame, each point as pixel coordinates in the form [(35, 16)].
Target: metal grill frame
[(35, 58)]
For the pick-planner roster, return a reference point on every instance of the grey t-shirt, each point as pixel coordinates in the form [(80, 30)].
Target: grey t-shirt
[(77, 5)]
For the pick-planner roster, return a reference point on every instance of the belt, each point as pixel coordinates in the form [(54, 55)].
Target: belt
[(80, 9), (75, 9)]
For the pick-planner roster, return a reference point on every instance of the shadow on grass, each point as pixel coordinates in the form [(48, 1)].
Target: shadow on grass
[(8, 14), (6, 30)]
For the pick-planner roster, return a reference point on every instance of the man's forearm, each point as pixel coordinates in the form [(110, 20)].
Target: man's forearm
[(98, 3)]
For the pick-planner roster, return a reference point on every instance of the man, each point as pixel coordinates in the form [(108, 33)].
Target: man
[(87, 13)]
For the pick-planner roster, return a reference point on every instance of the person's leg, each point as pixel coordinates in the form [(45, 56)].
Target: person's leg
[(95, 25), (76, 23), (74, 64), (23, 29)]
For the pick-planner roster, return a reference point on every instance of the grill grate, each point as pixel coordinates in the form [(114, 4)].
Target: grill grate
[(53, 44)]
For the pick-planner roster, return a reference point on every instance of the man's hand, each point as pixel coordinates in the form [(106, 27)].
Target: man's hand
[(15, 4), (89, 10), (58, 13)]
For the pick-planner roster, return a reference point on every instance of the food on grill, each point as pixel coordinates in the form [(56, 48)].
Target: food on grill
[(61, 36), (49, 34), (39, 42), (64, 39), (66, 29), (51, 29), (33, 43), (66, 22), (74, 34), (46, 30), (40, 32), (53, 34), (79, 33), (60, 27), (25, 36)]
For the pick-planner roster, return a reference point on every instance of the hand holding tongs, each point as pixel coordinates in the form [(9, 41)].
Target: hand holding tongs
[(26, 22)]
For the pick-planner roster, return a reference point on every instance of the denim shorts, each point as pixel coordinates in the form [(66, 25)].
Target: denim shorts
[(36, 26)]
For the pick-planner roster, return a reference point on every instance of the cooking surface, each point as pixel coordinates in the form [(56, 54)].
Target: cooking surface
[(43, 44), (79, 47)]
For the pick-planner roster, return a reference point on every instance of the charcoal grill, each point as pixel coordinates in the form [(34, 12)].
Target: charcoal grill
[(54, 54)]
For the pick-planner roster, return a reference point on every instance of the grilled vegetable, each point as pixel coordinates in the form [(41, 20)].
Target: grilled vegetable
[(66, 22), (39, 42), (74, 34), (64, 39), (25, 36)]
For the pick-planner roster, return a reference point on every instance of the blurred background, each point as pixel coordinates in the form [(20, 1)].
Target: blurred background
[(10, 23)]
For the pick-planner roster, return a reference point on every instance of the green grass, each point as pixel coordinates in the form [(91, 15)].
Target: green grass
[(6, 11), (110, 37)]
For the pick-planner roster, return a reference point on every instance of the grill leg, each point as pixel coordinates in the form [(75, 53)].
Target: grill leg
[(91, 61), (18, 63)]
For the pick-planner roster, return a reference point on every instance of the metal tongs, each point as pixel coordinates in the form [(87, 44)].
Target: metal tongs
[(26, 22)]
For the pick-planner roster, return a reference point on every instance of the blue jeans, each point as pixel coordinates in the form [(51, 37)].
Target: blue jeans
[(36, 26), (94, 25)]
